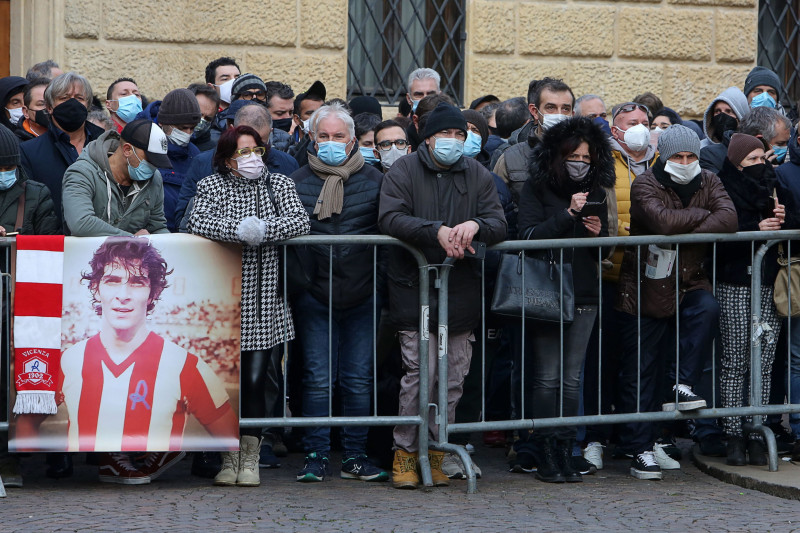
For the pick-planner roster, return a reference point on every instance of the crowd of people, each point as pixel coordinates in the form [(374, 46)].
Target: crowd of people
[(244, 160)]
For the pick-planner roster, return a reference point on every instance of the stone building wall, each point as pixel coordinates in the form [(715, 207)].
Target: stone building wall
[(685, 50)]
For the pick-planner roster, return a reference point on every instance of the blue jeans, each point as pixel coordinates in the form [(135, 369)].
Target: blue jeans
[(351, 335)]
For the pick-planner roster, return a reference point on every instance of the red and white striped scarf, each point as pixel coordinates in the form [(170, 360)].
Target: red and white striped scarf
[(37, 322)]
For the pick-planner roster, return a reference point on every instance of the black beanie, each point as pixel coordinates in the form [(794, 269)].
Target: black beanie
[(9, 148), (443, 117), (179, 107), (479, 121), (762, 76)]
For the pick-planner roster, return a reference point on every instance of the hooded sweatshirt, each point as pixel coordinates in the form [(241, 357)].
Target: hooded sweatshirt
[(734, 97), (96, 205)]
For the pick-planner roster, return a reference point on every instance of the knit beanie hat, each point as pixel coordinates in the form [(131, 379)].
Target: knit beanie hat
[(9, 148), (479, 121), (179, 107), (741, 145), (444, 116), (761, 76), (247, 82), (677, 139), (365, 104)]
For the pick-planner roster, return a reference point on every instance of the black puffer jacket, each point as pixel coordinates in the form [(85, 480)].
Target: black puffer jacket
[(352, 263), (544, 200), (751, 201)]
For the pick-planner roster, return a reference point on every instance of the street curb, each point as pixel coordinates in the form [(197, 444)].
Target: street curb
[(747, 482)]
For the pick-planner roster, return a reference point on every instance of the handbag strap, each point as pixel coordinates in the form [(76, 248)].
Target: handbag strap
[(20, 208), (271, 195)]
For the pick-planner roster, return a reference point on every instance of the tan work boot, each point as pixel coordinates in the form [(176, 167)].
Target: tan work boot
[(404, 470), (230, 469), (248, 462), (439, 478)]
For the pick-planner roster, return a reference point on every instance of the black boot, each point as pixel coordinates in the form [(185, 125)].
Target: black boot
[(59, 465), (756, 452), (548, 469), (206, 464), (564, 456), (735, 450)]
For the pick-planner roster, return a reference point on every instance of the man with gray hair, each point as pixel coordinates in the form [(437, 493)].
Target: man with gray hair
[(46, 69), (421, 83), (46, 158), (239, 113), (592, 106), (767, 124), (340, 193)]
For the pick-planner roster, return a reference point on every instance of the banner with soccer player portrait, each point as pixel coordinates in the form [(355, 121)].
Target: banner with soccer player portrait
[(149, 345)]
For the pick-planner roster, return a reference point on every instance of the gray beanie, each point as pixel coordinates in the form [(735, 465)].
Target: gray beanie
[(247, 82), (762, 76), (179, 107), (676, 139), (9, 148)]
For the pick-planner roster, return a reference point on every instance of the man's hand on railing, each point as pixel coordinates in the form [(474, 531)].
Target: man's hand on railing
[(458, 238)]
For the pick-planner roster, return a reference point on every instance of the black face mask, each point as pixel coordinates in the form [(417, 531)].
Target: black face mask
[(284, 124), (42, 118), (722, 123), (70, 115), (202, 129), (755, 172)]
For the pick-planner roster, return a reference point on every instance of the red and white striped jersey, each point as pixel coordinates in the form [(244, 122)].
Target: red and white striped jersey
[(141, 404)]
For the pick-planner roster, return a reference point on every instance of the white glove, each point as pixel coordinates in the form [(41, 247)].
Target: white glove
[(251, 230)]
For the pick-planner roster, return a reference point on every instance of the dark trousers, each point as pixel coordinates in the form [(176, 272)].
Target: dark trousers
[(648, 355)]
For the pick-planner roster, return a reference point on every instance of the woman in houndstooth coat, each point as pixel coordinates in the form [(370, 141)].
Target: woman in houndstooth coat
[(235, 205)]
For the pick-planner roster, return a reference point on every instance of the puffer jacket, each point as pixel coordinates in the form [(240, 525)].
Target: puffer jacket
[(95, 204), (657, 210), (38, 216), (544, 203), (626, 171), (352, 263), (417, 198)]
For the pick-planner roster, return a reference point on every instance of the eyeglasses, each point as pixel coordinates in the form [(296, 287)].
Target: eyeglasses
[(628, 107), (261, 95), (244, 152), (387, 144)]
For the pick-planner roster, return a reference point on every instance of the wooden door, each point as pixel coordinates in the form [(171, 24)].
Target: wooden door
[(5, 37)]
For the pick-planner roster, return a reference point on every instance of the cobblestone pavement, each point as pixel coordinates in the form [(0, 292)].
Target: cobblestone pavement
[(686, 500)]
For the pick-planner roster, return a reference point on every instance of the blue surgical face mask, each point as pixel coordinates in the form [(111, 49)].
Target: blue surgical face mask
[(448, 150), (143, 172), (369, 155), (780, 152), (7, 179), (414, 104), (763, 100), (129, 107), (472, 146), (332, 153)]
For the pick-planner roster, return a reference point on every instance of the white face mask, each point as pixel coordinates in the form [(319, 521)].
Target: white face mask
[(388, 157), (181, 138), (682, 174), (250, 167), (549, 120), (637, 137), (225, 90), (14, 115), (306, 125)]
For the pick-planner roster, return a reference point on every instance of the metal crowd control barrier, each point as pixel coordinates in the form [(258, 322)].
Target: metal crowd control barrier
[(756, 409)]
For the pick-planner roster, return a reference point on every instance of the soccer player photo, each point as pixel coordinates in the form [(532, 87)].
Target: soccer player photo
[(149, 348)]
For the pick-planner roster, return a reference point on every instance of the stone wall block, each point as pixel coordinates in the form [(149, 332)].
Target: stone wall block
[(493, 27), (509, 78), (82, 19), (615, 82), (301, 70), (724, 3), (575, 30), (324, 24), (689, 89), (689, 33), (737, 36)]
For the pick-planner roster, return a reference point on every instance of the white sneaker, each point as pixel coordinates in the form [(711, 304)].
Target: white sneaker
[(664, 461), (594, 454), (453, 468)]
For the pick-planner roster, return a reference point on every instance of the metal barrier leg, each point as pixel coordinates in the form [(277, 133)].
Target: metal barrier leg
[(769, 437), (2, 489)]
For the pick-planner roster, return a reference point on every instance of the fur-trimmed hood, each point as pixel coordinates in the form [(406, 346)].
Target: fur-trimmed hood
[(601, 173)]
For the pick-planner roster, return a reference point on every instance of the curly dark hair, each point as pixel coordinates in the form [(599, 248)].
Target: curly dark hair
[(134, 253)]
